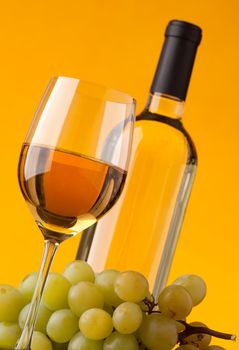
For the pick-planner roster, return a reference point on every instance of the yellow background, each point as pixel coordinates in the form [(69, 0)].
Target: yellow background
[(117, 43)]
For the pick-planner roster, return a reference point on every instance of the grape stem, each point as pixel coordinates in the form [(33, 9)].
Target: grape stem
[(189, 330), (150, 304)]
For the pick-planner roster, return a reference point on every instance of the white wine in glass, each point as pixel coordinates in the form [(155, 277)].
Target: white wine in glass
[(70, 171), (62, 195)]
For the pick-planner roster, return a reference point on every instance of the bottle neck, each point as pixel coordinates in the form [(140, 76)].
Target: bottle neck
[(165, 105)]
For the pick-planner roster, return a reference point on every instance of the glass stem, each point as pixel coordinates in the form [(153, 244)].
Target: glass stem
[(24, 342)]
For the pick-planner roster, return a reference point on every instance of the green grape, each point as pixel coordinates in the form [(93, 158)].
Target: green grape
[(80, 342), (131, 286), (78, 271), (198, 339), (150, 299), (158, 332), (187, 347), (42, 317), (214, 347), (175, 302), (117, 341), (84, 296), (180, 327), (95, 324), (56, 291), (105, 281), (195, 286), (11, 303), (40, 342), (136, 333), (60, 346), (127, 318), (143, 306), (9, 334), (27, 286), (62, 325), (108, 308)]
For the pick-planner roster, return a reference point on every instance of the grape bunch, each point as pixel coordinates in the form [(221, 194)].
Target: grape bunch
[(110, 310)]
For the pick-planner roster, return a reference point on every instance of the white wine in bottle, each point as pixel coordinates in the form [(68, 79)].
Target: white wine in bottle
[(142, 230)]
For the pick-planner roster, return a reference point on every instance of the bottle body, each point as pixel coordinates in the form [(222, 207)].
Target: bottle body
[(141, 232)]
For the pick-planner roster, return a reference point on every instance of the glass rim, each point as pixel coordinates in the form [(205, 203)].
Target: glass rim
[(123, 97)]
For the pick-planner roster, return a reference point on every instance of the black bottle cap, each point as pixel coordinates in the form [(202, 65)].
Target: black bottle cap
[(184, 30), (177, 58)]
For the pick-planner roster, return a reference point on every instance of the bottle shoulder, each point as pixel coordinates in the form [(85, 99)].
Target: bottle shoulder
[(161, 131)]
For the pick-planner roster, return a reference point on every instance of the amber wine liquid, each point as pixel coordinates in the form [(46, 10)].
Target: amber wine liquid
[(67, 192)]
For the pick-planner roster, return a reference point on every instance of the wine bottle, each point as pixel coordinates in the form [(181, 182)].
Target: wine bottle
[(142, 230)]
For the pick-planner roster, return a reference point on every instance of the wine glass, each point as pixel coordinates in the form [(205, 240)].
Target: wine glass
[(71, 170)]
